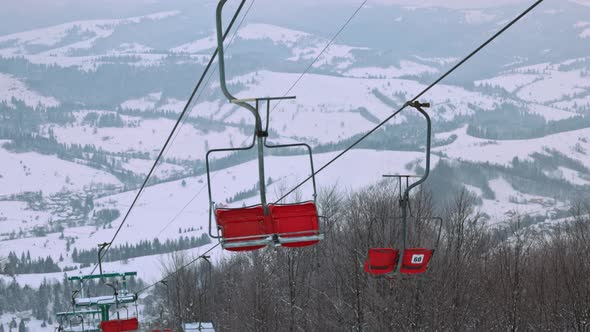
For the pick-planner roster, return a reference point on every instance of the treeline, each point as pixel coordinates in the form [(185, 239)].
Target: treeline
[(104, 120), (143, 248), (508, 121), (481, 278), (24, 264), (247, 193)]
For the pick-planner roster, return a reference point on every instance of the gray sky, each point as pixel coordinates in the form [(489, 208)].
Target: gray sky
[(29, 14)]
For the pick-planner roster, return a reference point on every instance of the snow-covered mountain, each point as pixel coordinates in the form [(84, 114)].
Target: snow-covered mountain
[(86, 105)]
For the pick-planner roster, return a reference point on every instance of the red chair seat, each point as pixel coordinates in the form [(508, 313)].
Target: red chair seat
[(296, 220), (381, 261), (244, 224), (121, 325), (415, 260), (290, 222)]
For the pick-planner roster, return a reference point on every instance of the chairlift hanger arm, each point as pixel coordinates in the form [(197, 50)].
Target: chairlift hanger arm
[(419, 107), (440, 222), (267, 99), (105, 275), (221, 59), (101, 247)]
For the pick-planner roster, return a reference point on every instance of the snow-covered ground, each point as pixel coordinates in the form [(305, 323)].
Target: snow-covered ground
[(147, 136), (11, 87), (503, 206), (543, 83), (336, 95), (34, 325), (549, 113), (34, 172), (83, 33), (510, 82), (15, 216), (502, 152), (338, 99), (405, 68), (144, 103), (303, 45), (157, 212)]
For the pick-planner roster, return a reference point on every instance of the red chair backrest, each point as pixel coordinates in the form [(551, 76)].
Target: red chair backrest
[(295, 220), (241, 224), (121, 325), (415, 260), (250, 223), (381, 260)]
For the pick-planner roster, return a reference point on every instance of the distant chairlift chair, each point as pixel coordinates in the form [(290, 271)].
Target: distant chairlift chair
[(122, 324), (382, 261), (254, 227)]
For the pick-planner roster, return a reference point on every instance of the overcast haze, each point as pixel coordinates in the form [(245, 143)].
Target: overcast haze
[(29, 14)]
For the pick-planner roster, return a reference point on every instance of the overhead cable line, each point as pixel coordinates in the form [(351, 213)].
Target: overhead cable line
[(459, 64), (342, 27), (321, 52), (478, 49), (208, 79), (292, 86), (235, 16), (203, 255), (215, 69), (455, 67)]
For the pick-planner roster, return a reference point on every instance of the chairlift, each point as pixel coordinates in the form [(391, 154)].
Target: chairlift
[(120, 324), (79, 321), (129, 323), (121, 296), (414, 261), (254, 227)]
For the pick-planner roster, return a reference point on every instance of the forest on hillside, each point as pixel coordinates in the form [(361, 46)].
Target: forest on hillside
[(483, 277)]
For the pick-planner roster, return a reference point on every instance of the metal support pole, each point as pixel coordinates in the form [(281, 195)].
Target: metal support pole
[(260, 134), (101, 247), (418, 106)]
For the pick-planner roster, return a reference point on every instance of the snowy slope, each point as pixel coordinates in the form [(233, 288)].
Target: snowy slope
[(351, 88), (502, 152), (84, 33), (159, 205), (11, 87), (35, 172)]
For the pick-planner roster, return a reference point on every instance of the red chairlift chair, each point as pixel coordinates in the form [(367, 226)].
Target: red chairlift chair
[(120, 325), (413, 260), (244, 229), (297, 225), (254, 227), (128, 323), (381, 261)]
